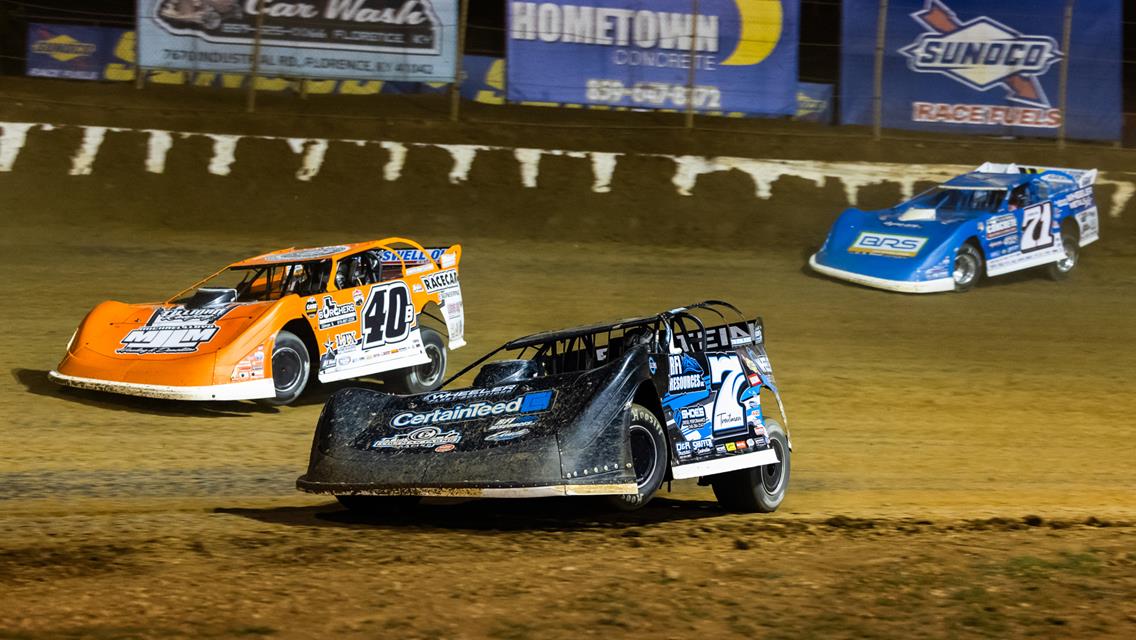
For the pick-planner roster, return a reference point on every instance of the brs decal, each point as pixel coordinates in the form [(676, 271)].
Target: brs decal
[(887, 244)]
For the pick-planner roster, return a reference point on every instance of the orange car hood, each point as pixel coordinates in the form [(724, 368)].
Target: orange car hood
[(164, 331)]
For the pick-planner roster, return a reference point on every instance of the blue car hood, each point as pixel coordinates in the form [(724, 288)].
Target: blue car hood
[(879, 244)]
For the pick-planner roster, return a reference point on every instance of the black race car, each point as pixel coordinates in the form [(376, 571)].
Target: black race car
[(610, 409)]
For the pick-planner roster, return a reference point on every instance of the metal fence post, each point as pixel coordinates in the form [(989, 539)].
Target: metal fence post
[(1063, 86), (878, 73), (693, 65), (459, 55), (250, 105), (138, 79)]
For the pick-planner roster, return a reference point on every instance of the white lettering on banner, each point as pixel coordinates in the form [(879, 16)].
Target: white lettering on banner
[(608, 26)]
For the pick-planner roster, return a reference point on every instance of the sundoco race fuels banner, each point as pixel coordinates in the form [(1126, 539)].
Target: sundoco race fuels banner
[(990, 68), (70, 51), (410, 40), (637, 53)]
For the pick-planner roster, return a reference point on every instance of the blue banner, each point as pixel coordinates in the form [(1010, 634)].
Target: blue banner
[(402, 40), (70, 51), (640, 54), (987, 68)]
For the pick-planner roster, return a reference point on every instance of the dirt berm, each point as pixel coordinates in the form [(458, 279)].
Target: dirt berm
[(963, 464)]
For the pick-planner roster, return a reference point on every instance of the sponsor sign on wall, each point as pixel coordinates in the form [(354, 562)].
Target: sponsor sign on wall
[(70, 51), (973, 66), (408, 40), (640, 53)]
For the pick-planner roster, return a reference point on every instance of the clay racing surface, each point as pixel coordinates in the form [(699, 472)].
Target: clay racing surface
[(963, 464)]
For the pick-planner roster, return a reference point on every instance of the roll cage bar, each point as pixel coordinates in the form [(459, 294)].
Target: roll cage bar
[(581, 341)]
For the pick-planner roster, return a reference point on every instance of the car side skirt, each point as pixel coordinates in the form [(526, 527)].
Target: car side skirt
[(724, 465), (250, 390), (903, 286), (544, 491)]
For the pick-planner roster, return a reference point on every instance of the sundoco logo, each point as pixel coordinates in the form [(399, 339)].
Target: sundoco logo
[(528, 403), (63, 48), (887, 244), (982, 53)]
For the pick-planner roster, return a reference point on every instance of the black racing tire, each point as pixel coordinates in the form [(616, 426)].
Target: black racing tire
[(757, 489), (648, 443), (424, 377), (291, 368), (968, 267), (379, 505), (1061, 269)]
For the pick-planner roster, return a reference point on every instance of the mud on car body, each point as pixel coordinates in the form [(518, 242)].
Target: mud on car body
[(612, 409), (260, 328), (997, 219)]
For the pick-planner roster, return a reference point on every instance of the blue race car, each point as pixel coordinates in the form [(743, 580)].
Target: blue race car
[(994, 220)]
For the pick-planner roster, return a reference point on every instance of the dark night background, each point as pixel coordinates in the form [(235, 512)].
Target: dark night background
[(819, 49)]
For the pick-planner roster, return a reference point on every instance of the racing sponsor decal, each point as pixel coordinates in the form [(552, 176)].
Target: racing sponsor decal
[(537, 402), (305, 254), (1090, 225), (311, 306), (682, 449), (174, 330), (512, 421), (1037, 231), (250, 367), (982, 54), (686, 375), (333, 314), (697, 414), (423, 438), (1002, 225), (411, 256), (887, 244), (441, 280), (652, 365), (470, 394), (504, 436), (724, 337)]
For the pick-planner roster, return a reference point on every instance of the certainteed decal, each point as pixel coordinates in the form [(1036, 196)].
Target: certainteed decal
[(529, 403)]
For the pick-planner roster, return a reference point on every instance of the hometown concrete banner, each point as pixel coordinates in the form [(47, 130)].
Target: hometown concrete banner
[(405, 40), (640, 53), (987, 68)]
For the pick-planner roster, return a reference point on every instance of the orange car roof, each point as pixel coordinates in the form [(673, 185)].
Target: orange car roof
[(292, 254)]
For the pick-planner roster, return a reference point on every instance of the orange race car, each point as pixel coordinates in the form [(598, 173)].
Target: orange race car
[(258, 328)]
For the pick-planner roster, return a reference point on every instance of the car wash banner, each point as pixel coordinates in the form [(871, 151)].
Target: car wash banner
[(988, 68), (640, 53), (408, 40), (70, 51)]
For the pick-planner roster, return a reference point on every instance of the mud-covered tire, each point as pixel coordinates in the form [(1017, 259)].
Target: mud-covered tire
[(379, 505), (424, 377), (967, 269), (291, 368), (648, 458), (757, 489), (1062, 268)]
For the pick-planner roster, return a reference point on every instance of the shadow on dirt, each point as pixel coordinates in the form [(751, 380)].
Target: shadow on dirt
[(35, 381), (545, 514)]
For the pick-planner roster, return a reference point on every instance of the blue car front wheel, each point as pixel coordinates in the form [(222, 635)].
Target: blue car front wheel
[(968, 267)]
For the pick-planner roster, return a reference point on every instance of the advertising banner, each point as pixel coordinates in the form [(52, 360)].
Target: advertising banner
[(405, 40), (70, 51), (640, 53), (987, 68), (814, 102)]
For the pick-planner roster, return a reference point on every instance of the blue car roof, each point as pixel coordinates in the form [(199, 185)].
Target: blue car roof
[(976, 180)]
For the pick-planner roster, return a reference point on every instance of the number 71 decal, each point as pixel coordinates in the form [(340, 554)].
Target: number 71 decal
[(1037, 223), (388, 315)]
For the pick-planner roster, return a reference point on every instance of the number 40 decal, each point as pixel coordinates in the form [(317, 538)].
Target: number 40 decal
[(1036, 227), (388, 315)]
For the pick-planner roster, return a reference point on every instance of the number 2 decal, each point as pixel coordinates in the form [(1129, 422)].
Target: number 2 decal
[(1036, 223), (388, 315)]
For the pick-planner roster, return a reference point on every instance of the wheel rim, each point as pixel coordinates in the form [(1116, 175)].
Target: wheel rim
[(1067, 263), (772, 475), (287, 369), (644, 454), (427, 375), (966, 269)]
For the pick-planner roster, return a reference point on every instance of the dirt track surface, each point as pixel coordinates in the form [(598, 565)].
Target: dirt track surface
[(963, 464)]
